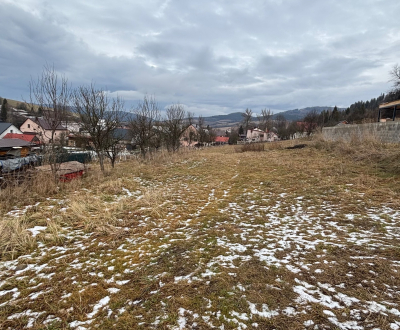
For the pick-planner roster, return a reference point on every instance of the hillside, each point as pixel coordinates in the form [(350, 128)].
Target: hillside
[(234, 119), (299, 114), (224, 120), (15, 103), (280, 239), (229, 120)]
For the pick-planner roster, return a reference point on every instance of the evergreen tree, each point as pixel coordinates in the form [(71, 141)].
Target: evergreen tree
[(335, 114), (4, 108)]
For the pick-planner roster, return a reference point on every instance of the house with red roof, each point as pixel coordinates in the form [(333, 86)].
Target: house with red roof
[(6, 128), (43, 130), (31, 138), (221, 140)]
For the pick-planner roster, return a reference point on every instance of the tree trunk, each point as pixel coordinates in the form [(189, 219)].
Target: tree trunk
[(101, 160), (143, 152)]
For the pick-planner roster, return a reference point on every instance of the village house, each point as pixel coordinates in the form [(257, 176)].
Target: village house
[(272, 136), (258, 135), (124, 136), (31, 138), (6, 128), (221, 140), (189, 137), (43, 130)]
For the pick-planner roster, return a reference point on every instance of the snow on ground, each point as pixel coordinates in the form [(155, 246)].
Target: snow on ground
[(316, 268)]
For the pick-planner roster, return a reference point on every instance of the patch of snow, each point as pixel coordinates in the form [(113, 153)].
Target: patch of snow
[(103, 302), (36, 230)]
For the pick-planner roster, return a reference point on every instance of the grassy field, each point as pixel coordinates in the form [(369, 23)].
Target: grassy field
[(210, 239)]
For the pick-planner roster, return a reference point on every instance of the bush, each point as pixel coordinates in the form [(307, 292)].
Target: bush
[(22, 106), (251, 147)]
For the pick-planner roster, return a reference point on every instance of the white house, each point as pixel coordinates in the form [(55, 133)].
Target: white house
[(258, 135), (6, 128)]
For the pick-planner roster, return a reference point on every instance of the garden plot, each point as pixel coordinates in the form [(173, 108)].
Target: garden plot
[(242, 248)]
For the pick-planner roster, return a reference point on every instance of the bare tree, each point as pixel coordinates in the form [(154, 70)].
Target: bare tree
[(310, 122), (211, 134), (176, 122), (51, 92), (247, 118), (265, 120), (99, 117), (203, 133), (282, 127), (114, 144), (142, 125), (395, 73)]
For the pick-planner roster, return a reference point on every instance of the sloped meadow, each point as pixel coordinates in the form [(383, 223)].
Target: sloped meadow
[(211, 239)]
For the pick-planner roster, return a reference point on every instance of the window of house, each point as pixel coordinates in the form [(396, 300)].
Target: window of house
[(29, 125), (11, 131)]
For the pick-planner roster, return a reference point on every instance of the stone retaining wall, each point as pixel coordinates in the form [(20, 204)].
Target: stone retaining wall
[(384, 132)]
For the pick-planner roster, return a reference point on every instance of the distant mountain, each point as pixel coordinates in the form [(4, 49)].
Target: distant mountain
[(224, 120), (299, 114), (233, 119)]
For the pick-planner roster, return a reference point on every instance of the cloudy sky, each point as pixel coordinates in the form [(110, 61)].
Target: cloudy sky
[(215, 57)]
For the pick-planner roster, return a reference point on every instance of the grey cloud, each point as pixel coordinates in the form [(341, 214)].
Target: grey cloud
[(219, 56)]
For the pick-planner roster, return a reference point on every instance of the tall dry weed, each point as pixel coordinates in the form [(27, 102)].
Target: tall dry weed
[(250, 147), (154, 200), (366, 148), (26, 190), (14, 237)]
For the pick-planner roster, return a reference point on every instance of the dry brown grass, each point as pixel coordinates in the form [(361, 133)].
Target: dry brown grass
[(14, 237), (172, 227), (250, 147), (25, 191), (382, 156)]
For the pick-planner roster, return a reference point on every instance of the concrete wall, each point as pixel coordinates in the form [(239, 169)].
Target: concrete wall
[(384, 132)]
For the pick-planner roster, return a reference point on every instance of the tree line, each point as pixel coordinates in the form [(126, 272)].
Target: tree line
[(100, 117)]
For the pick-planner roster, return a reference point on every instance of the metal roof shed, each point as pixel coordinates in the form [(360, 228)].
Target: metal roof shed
[(395, 105)]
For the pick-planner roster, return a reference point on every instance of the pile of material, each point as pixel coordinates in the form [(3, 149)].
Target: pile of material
[(66, 171)]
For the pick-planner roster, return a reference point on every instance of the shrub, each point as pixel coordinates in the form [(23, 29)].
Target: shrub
[(251, 147)]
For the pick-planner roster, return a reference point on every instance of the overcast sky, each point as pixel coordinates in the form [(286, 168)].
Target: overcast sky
[(215, 57)]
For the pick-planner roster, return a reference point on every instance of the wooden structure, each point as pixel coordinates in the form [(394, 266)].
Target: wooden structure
[(14, 148), (391, 106)]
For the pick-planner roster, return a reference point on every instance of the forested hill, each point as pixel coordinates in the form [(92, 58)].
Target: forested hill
[(299, 114), (360, 111), (235, 118)]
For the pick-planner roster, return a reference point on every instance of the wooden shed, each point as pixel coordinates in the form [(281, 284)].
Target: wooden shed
[(14, 148), (389, 108)]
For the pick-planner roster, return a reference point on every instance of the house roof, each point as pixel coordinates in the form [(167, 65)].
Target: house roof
[(12, 143), (122, 133), (223, 139), (4, 126), (25, 137), (389, 105), (45, 124)]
